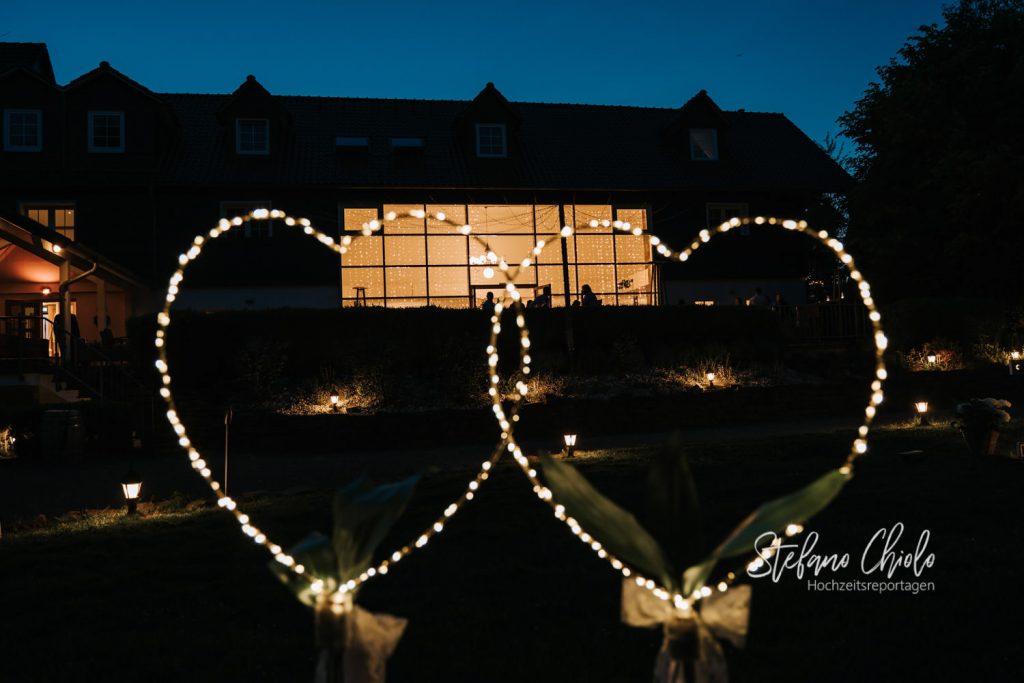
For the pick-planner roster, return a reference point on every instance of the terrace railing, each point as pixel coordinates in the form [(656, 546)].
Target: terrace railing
[(827, 322), (26, 346)]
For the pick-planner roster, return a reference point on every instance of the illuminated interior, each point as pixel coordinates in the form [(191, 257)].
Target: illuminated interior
[(427, 262)]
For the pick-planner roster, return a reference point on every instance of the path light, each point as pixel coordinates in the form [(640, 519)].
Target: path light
[(1014, 363), (711, 379), (922, 412), (570, 445), (335, 400), (131, 485), (931, 359)]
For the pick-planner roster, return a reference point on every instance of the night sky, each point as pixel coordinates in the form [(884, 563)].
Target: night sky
[(808, 58)]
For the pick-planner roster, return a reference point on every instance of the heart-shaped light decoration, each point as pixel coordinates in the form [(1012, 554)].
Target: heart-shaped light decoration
[(857, 448), (195, 457)]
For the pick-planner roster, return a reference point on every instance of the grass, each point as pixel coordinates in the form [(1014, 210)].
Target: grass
[(507, 593)]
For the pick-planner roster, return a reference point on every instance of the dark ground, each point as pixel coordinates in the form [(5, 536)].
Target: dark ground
[(507, 594)]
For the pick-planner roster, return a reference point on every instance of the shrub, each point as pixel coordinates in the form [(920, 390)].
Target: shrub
[(414, 358)]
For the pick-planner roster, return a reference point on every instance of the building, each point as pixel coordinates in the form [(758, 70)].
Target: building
[(101, 173)]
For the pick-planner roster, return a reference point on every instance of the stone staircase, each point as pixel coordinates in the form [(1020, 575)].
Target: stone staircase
[(37, 388)]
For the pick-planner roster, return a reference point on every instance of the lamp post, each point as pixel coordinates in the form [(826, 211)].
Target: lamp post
[(131, 486), (922, 412), (711, 380), (570, 445)]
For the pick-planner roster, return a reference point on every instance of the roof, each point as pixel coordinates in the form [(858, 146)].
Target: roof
[(80, 256), (561, 146), (32, 56)]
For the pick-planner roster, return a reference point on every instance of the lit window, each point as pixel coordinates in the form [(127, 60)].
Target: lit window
[(59, 217), (23, 130), (106, 131), (490, 140), (703, 144), (252, 136), (251, 228)]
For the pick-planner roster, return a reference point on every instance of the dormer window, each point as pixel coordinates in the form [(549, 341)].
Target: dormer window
[(703, 144), (106, 131), (491, 140), (23, 130), (252, 136)]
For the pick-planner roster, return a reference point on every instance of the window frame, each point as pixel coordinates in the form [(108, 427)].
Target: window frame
[(8, 145), (251, 204), (92, 128), (238, 136), (744, 212), (51, 206), (504, 140), (714, 142)]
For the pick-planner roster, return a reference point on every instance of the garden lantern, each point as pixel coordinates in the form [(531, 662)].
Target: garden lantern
[(922, 412), (1014, 362), (131, 485), (931, 359), (711, 379), (570, 445), (335, 400)]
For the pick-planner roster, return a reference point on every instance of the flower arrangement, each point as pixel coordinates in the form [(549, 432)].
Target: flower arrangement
[(979, 420)]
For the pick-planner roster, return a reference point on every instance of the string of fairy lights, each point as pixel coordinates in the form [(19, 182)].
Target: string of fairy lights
[(199, 464), (506, 417), (858, 448)]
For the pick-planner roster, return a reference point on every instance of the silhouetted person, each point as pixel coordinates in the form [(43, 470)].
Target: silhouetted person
[(67, 344), (759, 299), (488, 305), (735, 299), (588, 297), (779, 300), (544, 300)]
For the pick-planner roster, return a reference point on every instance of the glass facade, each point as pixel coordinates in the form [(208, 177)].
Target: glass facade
[(427, 262)]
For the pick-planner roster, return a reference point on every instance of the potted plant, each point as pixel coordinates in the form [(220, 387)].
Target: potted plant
[(979, 420)]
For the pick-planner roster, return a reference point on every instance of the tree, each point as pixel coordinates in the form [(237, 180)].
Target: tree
[(939, 207)]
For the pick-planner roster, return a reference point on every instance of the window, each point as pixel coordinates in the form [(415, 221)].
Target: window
[(703, 144), (23, 130), (420, 260), (56, 216), (720, 213), (252, 136), (106, 131), (490, 140), (250, 228)]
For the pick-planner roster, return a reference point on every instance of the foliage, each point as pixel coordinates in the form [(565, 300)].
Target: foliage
[(952, 324), (947, 357), (982, 414), (363, 514), (387, 359), (667, 547), (7, 440), (940, 159)]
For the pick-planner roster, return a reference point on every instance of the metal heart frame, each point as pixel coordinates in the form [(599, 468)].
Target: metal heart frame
[(857, 448), (506, 418), (338, 594)]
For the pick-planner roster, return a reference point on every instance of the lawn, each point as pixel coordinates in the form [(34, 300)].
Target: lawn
[(508, 594)]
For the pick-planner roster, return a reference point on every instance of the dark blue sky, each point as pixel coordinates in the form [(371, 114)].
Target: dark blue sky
[(810, 59)]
